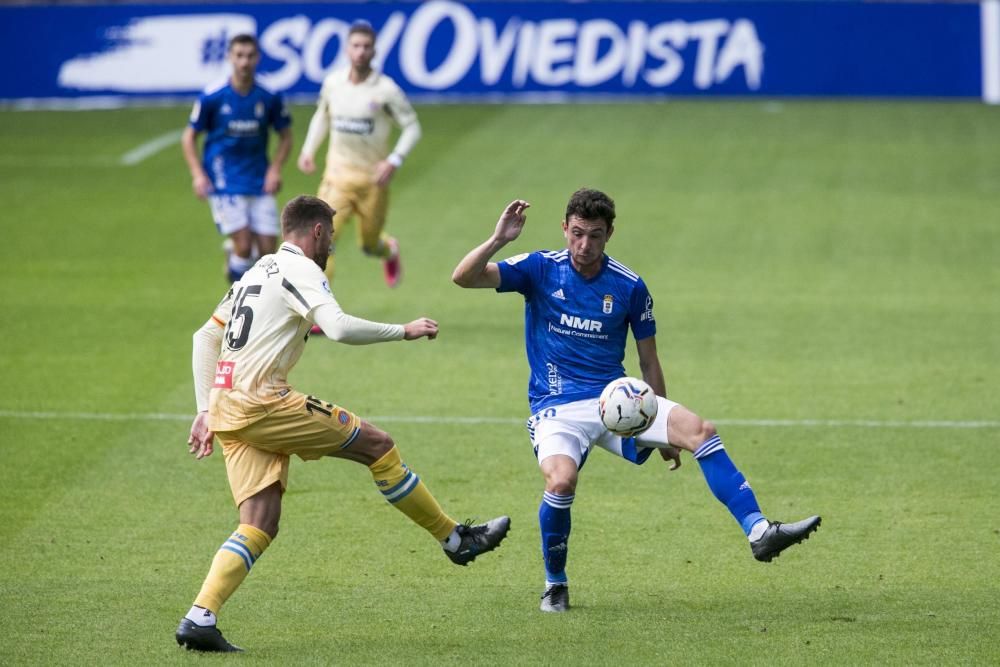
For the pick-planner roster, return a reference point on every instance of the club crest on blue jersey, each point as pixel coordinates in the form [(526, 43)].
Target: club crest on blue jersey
[(609, 304)]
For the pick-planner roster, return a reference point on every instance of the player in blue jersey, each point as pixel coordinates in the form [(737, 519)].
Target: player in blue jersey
[(234, 174), (579, 305)]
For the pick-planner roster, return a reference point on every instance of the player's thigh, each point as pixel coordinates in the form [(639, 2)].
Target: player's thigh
[(250, 469), (305, 426), (658, 433), (263, 211), (371, 444), (372, 208), (341, 199), (555, 431), (231, 213)]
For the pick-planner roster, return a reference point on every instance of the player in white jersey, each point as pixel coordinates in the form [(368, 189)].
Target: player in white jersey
[(242, 357), (580, 305), (357, 108)]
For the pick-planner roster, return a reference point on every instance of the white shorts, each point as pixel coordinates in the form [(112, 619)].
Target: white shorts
[(232, 213), (572, 429)]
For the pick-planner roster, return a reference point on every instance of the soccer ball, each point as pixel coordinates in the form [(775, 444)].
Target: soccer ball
[(627, 406)]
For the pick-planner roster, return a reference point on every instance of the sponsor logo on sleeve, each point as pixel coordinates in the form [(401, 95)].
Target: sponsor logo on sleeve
[(516, 258)]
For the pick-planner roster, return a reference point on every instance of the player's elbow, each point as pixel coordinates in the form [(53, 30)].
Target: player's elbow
[(460, 278)]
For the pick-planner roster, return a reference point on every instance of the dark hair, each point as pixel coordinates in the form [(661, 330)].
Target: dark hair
[(301, 213), (588, 204), (362, 28), (243, 38)]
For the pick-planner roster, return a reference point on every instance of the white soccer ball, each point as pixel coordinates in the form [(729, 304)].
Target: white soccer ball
[(627, 406)]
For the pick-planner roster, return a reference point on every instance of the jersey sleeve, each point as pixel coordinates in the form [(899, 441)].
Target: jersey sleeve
[(200, 113), (279, 115), (399, 108), (640, 312), (306, 289), (519, 273), (224, 310)]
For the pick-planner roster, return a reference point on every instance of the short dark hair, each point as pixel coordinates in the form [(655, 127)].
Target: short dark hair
[(301, 213), (588, 204), (243, 38), (362, 27)]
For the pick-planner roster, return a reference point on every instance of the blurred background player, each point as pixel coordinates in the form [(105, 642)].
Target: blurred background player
[(579, 306), (241, 360), (236, 116), (357, 106)]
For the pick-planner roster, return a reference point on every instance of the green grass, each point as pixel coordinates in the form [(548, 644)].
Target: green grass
[(810, 261)]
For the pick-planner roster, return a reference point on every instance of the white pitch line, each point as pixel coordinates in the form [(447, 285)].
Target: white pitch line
[(429, 419), (150, 148)]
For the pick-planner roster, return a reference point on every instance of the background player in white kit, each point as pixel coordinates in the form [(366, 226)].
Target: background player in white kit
[(357, 107), (234, 174), (242, 357), (579, 306)]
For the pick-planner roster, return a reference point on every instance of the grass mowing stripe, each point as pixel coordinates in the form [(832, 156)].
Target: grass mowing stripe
[(430, 419), (151, 147)]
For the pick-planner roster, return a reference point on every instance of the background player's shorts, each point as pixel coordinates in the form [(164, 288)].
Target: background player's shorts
[(257, 455), (572, 429), (353, 192), (232, 213)]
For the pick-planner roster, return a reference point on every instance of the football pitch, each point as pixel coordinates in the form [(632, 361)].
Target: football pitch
[(827, 286)]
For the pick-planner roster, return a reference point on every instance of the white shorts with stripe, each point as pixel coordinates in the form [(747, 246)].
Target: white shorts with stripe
[(232, 213), (573, 429)]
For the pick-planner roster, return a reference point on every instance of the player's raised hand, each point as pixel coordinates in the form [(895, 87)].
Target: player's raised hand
[(419, 328), (201, 439), (511, 221)]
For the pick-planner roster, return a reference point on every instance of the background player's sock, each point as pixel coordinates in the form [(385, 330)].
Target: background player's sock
[(404, 490), (231, 565), (554, 521), (238, 266), (728, 484)]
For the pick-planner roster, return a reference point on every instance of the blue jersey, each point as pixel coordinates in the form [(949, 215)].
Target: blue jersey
[(575, 328), (236, 132)]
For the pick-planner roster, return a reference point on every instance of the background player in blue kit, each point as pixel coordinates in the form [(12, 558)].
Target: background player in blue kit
[(579, 306), (236, 116)]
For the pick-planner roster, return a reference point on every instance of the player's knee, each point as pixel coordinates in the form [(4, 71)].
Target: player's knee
[(689, 431), (561, 486), (706, 431), (382, 444)]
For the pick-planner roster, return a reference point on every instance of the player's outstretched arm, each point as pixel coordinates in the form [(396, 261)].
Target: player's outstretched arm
[(475, 269)]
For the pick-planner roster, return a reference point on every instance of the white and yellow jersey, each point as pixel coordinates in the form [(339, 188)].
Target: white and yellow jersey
[(359, 118), (267, 318)]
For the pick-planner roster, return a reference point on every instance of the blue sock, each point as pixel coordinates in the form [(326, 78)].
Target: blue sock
[(554, 520), (727, 483), (237, 266)]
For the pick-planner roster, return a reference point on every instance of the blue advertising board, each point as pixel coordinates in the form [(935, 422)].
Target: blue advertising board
[(506, 49)]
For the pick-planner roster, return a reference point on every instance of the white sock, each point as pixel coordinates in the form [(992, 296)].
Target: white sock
[(452, 542), (201, 616), (757, 531)]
